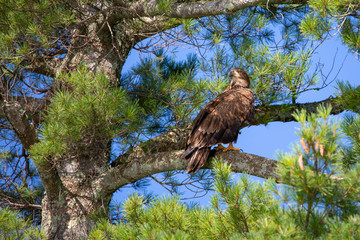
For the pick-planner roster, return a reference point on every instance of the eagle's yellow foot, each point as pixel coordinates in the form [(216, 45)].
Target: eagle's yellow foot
[(231, 148), (220, 147)]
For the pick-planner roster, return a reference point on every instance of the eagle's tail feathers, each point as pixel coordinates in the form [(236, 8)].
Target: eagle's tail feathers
[(187, 153), (198, 159)]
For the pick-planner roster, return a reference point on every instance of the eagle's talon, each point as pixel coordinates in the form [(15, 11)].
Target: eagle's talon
[(231, 148), (220, 147)]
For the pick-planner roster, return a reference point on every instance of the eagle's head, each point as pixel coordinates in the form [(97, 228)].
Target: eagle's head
[(239, 78)]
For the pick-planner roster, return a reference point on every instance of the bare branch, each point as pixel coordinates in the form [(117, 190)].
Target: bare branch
[(7, 201)]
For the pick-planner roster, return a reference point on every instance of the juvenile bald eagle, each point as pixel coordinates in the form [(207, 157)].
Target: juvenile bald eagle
[(220, 120)]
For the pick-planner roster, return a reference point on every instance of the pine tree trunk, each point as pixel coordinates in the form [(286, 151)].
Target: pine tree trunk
[(68, 217), (72, 203), (70, 208), (71, 216)]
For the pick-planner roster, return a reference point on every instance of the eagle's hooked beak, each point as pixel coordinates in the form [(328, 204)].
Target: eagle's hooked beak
[(233, 73)]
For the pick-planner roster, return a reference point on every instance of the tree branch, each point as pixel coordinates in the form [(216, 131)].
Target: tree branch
[(142, 165), (16, 116), (283, 112), (191, 9), (26, 132), (264, 114), (32, 107), (44, 66), (5, 201)]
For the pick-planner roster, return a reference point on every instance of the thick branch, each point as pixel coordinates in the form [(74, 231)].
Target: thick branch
[(27, 134), (283, 112), (16, 116), (33, 107), (44, 66), (192, 9), (142, 165)]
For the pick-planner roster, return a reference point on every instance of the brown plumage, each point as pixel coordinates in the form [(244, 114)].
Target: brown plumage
[(220, 120)]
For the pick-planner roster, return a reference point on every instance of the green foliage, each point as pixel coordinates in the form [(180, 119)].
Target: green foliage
[(245, 201), (14, 227), (27, 27), (164, 5), (321, 176), (320, 184), (343, 229), (281, 76), (238, 210), (314, 26), (89, 112), (351, 127), (330, 17), (166, 89), (348, 96), (275, 76), (190, 27), (350, 34), (278, 74)]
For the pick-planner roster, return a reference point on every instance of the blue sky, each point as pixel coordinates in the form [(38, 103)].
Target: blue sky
[(338, 63)]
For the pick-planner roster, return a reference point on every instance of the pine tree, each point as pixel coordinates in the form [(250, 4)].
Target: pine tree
[(76, 126)]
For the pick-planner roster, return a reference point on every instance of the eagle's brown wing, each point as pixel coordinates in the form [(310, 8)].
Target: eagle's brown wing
[(218, 122)]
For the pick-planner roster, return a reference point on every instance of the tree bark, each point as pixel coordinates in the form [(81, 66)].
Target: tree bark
[(191, 9), (141, 164), (72, 214), (71, 207)]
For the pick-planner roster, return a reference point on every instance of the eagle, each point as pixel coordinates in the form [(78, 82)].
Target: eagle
[(220, 120)]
